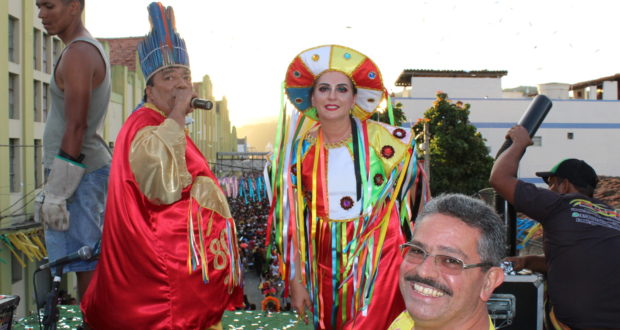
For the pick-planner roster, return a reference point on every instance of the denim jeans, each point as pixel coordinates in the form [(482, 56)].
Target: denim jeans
[(86, 209)]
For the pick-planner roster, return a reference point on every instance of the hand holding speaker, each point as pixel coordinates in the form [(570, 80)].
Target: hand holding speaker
[(531, 119)]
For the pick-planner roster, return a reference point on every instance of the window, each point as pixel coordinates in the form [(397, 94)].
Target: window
[(45, 101), (13, 97), (570, 135), (44, 55), (38, 164), (537, 140), (55, 49), (13, 39), (14, 176), (36, 49), (37, 100), (17, 271)]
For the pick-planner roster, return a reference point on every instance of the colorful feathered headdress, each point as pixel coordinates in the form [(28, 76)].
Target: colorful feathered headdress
[(163, 47), (311, 63)]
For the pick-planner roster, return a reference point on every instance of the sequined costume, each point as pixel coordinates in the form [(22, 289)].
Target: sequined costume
[(345, 218)]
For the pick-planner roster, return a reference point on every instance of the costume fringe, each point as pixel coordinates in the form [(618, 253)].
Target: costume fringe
[(295, 226)]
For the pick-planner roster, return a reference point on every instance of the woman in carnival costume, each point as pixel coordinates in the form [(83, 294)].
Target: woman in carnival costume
[(169, 255), (345, 190)]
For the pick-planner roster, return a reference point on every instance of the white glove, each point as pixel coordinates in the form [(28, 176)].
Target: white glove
[(64, 178), (38, 203)]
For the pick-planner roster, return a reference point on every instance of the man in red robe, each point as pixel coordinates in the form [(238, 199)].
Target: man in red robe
[(169, 254)]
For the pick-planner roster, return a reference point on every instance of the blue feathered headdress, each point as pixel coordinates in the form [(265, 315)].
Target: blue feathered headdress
[(163, 46)]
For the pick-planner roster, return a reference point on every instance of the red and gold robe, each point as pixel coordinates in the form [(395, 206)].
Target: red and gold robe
[(169, 256)]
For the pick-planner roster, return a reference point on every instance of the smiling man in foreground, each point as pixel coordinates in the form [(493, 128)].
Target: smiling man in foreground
[(449, 268)]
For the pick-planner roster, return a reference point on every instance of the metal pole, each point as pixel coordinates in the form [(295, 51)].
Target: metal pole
[(427, 152)]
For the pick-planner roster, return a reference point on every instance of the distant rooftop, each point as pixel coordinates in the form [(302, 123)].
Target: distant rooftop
[(123, 51), (595, 82), (405, 77)]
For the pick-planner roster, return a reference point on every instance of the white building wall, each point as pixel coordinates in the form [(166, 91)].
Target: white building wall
[(456, 87), (512, 95), (595, 126), (114, 120), (592, 91), (610, 90), (554, 90)]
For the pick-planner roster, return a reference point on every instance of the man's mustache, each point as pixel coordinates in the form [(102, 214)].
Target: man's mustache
[(429, 282)]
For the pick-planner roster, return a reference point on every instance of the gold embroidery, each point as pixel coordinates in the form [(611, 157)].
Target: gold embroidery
[(209, 196), (339, 144), (344, 142), (154, 108), (210, 224), (220, 260), (224, 242), (328, 219)]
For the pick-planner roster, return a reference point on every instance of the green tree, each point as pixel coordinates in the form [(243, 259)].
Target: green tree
[(399, 115), (460, 161)]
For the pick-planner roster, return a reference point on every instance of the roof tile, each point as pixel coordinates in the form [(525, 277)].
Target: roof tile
[(123, 51)]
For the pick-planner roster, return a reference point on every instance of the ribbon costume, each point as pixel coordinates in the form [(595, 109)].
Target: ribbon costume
[(342, 210), (169, 251)]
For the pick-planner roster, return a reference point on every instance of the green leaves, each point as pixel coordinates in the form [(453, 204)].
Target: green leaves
[(460, 161), (399, 115)]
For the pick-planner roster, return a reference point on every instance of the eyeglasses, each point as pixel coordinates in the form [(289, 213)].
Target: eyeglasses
[(448, 265)]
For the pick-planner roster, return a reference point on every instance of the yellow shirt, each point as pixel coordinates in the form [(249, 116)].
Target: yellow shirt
[(405, 322), (402, 322)]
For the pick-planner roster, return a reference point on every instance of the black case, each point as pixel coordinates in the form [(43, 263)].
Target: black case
[(518, 303), (8, 304)]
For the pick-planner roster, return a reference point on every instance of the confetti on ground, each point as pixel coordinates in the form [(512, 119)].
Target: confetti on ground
[(70, 318)]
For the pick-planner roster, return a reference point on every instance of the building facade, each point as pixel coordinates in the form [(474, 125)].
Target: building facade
[(605, 88), (473, 84), (27, 55), (212, 130), (586, 128), (26, 62)]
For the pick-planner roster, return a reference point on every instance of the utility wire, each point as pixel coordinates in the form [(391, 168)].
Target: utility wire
[(19, 210), (236, 166), (17, 201)]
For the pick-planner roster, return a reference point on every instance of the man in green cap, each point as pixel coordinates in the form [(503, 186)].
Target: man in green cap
[(581, 237)]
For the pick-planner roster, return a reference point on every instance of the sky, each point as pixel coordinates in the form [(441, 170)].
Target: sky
[(245, 46)]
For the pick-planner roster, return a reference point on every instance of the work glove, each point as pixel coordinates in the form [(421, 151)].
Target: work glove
[(64, 178), (38, 203)]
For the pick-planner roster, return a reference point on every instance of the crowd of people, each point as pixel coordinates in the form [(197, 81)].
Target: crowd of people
[(251, 220)]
